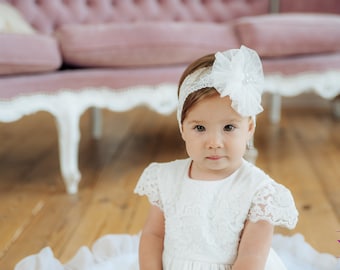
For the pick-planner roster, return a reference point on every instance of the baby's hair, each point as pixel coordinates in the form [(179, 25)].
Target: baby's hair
[(193, 98)]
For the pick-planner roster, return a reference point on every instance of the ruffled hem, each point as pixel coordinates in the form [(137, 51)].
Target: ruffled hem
[(296, 254), (109, 252), (120, 252)]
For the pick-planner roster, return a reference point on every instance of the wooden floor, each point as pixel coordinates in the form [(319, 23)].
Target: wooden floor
[(302, 152)]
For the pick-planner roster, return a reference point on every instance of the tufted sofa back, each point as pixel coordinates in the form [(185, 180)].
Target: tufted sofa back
[(47, 15)]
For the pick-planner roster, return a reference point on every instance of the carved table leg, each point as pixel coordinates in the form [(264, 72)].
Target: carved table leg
[(69, 137)]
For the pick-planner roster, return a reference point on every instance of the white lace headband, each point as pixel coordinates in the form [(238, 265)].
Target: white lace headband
[(236, 73)]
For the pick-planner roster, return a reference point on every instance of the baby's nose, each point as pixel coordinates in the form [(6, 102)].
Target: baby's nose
[(215, 140)]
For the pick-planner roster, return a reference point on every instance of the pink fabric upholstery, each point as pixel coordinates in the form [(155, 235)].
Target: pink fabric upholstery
[(142, 43), (48, 15), (14, 86), (315, 6), (22, 53), (290, 34), (301, 64)]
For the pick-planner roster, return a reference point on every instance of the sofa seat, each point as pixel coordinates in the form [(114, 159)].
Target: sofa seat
[(79, 79)]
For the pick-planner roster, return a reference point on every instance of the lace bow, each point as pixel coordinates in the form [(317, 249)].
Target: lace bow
[(236, 73)]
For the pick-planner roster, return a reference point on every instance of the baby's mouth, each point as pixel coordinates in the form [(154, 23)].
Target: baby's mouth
[(214, 157)]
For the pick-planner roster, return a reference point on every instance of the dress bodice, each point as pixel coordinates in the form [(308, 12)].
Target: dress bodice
[(204, 219)]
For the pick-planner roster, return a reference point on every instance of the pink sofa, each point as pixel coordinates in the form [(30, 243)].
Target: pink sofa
[(121, 54)]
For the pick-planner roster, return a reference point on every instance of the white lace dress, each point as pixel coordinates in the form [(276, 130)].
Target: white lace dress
[(204, 219)]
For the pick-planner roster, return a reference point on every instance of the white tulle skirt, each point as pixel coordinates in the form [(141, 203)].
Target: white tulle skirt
[(120, 252)]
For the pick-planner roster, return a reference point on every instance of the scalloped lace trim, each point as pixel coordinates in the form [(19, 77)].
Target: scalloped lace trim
[(274, 204)]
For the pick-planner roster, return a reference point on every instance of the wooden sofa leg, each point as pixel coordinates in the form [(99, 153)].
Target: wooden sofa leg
[(97, 123), (275, 110), (69, 137)]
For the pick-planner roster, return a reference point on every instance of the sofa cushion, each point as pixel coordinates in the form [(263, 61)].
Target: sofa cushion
[(142, 44), (22, 53), (290, 34)]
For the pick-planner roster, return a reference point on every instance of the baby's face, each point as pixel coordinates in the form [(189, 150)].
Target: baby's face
[(216, 137)]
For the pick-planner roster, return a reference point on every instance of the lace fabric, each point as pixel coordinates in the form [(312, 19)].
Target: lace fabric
[(204, 219), (149, 185), (273, 204)]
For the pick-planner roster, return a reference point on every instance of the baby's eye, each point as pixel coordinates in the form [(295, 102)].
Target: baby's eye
[(199, 128), (228, 128)]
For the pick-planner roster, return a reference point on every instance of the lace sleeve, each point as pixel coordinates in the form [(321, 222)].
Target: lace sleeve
[(148, 185), (274, 203)]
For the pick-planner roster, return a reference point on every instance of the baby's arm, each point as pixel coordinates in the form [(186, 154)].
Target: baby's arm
[(151, 242), (254, 246)]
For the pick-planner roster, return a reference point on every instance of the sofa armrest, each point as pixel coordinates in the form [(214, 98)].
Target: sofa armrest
[(23, 53)]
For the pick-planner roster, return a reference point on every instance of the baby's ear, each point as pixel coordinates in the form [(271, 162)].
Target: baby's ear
[(182, 133), (251, 126)]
